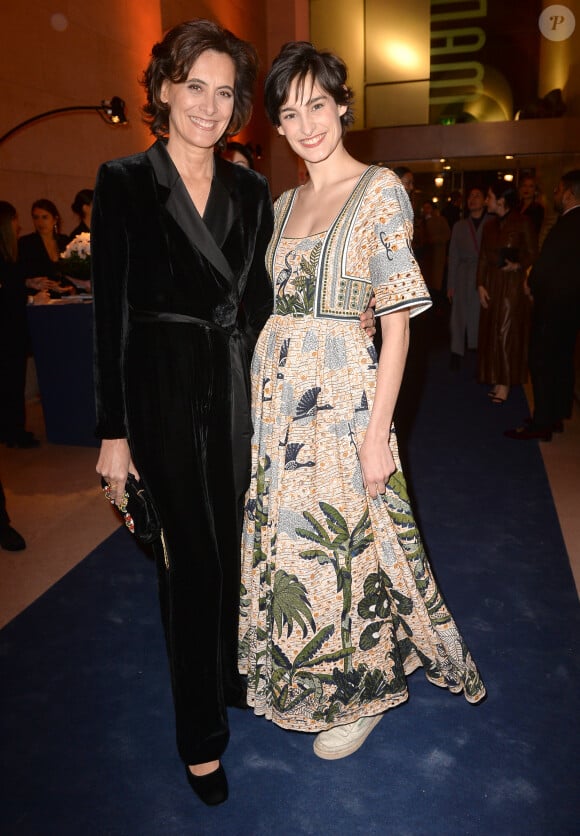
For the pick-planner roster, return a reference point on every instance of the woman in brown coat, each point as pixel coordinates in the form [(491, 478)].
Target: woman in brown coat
[(507, 251)]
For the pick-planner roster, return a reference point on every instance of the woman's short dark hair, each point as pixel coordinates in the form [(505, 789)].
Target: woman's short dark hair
[(300, 60), (502, 188), (48, 206), (82, 198), (173, 57)]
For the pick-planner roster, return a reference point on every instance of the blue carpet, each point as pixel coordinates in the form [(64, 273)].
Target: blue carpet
[(87, 726)]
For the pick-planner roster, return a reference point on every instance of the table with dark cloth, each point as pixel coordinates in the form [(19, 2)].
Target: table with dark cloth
[(62, 344)]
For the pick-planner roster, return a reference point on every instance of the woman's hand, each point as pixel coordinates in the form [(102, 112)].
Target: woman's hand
[(484, 296), (114, 463), (377, 464), (41, 283), (511, 266), (367, 319)]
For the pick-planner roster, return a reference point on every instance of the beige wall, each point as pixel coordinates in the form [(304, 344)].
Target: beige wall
[(101, 53)]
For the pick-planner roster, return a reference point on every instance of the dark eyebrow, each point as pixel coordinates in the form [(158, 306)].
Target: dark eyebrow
[(201, 81), (309, 102)]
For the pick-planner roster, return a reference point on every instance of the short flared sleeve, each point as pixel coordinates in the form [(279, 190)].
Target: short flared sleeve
[(387, 217)]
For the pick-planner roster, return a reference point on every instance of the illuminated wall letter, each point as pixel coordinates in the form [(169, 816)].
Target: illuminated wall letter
[(451, 41), (464, 82)]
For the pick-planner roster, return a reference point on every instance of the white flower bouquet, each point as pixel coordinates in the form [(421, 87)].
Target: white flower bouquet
[(76, 260)]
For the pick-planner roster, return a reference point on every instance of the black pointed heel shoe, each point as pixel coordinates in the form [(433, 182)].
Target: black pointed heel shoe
[(212, 789)]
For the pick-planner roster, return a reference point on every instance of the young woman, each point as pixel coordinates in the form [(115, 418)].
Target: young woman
[(40, 251), (338, 600)]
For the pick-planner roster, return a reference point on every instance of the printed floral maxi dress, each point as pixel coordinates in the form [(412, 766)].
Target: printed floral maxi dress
[(338, 600)]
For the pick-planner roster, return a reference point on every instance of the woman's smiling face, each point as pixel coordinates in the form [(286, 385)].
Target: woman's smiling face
[(201, 107), (310, 121)]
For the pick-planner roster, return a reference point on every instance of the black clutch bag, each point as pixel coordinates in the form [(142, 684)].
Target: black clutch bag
[(137, 510)]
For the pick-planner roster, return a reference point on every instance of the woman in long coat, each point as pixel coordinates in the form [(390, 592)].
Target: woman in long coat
[(508, 249), (181, 291)]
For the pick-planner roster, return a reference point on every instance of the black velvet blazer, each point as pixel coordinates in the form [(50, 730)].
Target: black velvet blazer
[(152, 252)]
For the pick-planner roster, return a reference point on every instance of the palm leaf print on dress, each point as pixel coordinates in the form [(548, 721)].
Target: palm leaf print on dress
[(300, 302)]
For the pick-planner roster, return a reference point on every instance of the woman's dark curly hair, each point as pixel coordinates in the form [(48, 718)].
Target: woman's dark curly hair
[(173, 57), (301, 61)]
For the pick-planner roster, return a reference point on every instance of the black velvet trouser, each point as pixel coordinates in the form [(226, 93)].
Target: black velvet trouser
[(551, 359), (179, 393)]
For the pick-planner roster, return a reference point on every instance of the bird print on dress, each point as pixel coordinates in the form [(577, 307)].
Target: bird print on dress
[(291, 463), (308, 405)]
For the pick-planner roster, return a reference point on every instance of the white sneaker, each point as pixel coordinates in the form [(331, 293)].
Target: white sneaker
[(344, 740)]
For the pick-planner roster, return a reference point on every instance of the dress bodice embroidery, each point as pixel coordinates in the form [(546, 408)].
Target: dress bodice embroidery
[(295, 274)]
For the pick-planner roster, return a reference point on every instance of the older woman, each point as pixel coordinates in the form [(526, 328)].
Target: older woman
[(181, 290), (508, 248)]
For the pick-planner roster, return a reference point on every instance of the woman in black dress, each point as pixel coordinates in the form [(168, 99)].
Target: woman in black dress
[(40, 251)]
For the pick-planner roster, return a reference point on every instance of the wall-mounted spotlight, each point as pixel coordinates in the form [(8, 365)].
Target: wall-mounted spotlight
[(111, 111), (439, 180)]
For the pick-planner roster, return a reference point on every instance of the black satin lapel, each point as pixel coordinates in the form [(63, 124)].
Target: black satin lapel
[(222, 208), (181, 207), (183, 211)]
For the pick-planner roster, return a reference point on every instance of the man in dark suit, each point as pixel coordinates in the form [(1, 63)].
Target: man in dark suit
[(555, 287)]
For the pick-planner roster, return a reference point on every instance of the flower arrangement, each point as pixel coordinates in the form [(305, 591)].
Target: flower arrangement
[(77, 257)]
